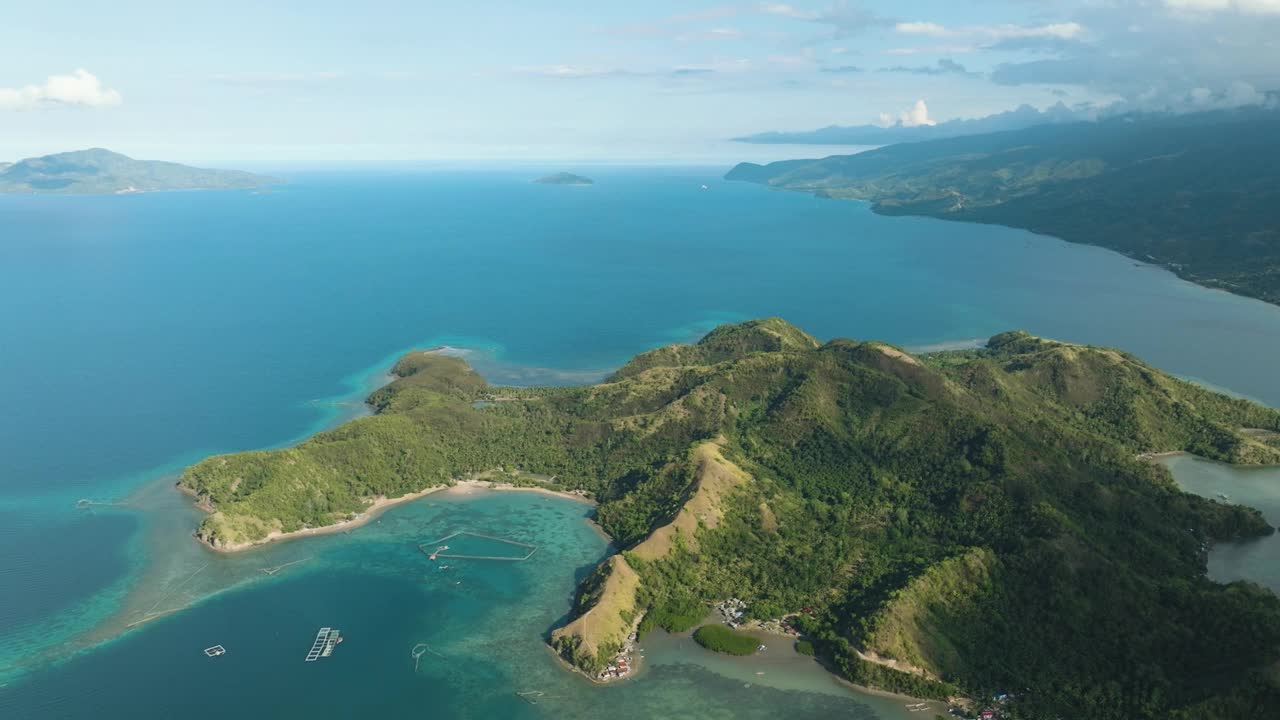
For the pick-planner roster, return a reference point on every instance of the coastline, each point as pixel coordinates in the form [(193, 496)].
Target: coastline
[(368, 514), (1156, 456), (466, 487), (380, 504), (762, 634)]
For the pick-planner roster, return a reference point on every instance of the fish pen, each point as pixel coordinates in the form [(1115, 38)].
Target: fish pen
[(278, 568), (442, 551), (419, 650), (322, 647), (533, 696)]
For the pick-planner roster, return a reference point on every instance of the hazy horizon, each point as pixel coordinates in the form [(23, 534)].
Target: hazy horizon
[(568, 80)]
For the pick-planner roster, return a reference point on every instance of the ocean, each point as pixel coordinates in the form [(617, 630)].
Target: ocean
[(141, 333)]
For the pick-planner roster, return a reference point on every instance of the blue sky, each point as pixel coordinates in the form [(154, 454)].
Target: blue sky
[(376, 81)]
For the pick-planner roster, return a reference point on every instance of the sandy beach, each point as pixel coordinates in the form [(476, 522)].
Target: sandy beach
[(376, 508), (466, 487), (371, 512)]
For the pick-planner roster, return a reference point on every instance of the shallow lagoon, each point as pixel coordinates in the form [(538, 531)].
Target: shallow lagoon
[(483, 622)]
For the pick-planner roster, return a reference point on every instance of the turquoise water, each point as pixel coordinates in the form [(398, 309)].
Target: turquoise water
[(483, 623), (141, 333)]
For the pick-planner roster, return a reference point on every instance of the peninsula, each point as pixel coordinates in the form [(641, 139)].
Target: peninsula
[(1198, 194), (564, 178), (102, 172), (963, 523)]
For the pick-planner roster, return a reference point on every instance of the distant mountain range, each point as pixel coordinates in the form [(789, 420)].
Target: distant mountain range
[(1197, 193), (1023, 117), (102, 172)]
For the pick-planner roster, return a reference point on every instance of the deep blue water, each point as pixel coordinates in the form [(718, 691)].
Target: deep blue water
[(140, 333)]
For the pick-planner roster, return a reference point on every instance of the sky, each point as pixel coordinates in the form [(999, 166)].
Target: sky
[(382, 81)]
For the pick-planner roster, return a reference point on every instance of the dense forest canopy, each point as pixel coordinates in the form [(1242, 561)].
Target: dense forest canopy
[(965, 522)]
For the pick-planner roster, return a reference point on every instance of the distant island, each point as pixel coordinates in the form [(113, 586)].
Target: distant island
[(962, 524), (102, 172), (1022, 117), (1196, 193), (564, 178)]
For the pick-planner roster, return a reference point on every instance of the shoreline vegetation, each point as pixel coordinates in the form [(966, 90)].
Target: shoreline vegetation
[(379, 505), (925, 522), (722, 639), (1147, 186), (101, 172)]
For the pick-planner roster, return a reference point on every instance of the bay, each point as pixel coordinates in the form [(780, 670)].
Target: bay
[(141, 333)]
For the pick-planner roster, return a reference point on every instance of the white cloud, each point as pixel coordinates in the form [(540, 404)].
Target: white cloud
[(1249, 7), (1064, 31), (78, 88), (1161, 54), (922, 28), (786, 11), (914, 116)]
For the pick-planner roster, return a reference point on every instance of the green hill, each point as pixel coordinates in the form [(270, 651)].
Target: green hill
[(102, 172), (971, 521), (1199, 194)]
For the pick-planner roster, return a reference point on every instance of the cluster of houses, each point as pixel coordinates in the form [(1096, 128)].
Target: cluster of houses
[(780, 626), (732, 611), (991, 712), (622, 664)]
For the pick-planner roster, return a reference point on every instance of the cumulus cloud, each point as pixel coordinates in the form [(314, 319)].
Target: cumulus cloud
[(1166, 55), (77, 88), (914, 116)]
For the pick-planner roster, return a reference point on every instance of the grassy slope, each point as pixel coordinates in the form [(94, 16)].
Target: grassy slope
[(1197, 193), (955, 514)]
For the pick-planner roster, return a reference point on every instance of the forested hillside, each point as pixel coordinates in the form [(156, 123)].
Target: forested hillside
[(1198, 193), (981, 518)]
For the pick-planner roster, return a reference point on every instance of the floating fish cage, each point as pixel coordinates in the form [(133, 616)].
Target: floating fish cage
[(322, 647), (438, 549)]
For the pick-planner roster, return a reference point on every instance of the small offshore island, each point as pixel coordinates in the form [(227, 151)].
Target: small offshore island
[(564, 178), (961, 524), (101, 172)]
